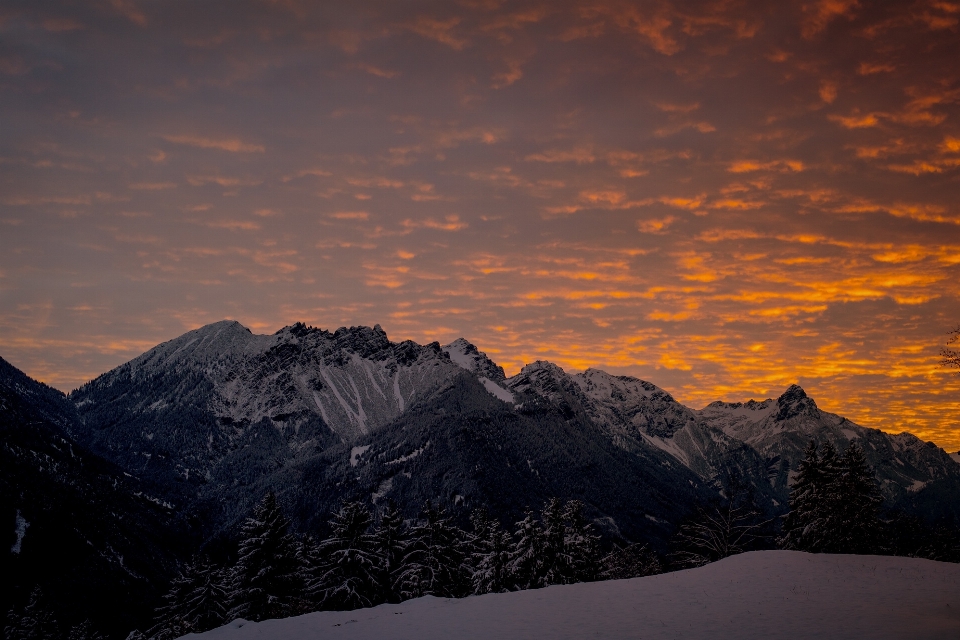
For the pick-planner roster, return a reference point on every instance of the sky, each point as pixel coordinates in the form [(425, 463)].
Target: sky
[(720, 197)]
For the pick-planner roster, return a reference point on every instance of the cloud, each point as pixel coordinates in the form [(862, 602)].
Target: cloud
[(233, 145), (438, 30)]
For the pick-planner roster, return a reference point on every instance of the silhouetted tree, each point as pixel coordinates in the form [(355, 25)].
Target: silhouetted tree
[(266, 581), (348, 575)]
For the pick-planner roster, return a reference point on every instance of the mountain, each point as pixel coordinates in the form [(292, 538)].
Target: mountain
[(213, 419), (98, 544), (916, 475), (218, 416)]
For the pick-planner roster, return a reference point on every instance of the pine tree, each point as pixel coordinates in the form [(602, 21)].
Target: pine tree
[(391, 537), (834, 503), (84, 631), (491, 554), (805, 495), (632, 561), (859, 506), (348, 576), (552, 567), (266, 579), (524, 565), (196, 602), (36, 622), (435, 562), (580, 545)]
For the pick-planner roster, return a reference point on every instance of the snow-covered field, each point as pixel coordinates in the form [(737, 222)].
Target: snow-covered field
[(765, 594)]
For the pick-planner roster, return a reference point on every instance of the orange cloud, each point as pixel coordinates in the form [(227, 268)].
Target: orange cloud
[(233, 145)]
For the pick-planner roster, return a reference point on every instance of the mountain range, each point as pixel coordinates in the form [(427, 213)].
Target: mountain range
[(170, 451)]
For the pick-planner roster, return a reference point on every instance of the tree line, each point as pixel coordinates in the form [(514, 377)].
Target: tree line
[(371, 558)]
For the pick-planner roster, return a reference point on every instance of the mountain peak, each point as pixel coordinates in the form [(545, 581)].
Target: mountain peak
[(466, 355), (794, 402)]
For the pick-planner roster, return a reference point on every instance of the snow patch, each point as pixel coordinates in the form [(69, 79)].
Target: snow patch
[(382, 490), (917, 486), (456, 352), (850, 433), (21, 530), (396, 390), (496, 390), (355, 454), (409, 456)]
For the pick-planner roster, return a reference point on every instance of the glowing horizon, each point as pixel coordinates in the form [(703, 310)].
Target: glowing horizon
[(722, 198)]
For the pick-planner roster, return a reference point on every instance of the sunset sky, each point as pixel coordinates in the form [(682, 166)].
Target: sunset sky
[(722, 198)]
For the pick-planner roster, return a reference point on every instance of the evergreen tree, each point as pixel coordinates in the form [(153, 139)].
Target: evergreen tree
[(491, 555), (84, 631), (348, 576), (35, 622), (196, 602), (435, 562), (580, 545), (266, 581), (805, 496), (391, 537), (632, 561), (524, 564), (551, 569), (834, 503), (859, 504)]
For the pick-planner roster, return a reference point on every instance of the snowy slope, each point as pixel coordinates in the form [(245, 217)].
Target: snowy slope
[(780, 429), (638, 415), (765, 594)]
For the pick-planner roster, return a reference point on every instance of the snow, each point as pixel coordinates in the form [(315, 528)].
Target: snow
[(21, 530), (850, 433), (456, 351), (355, 454), (496, 390), (956, 457), (764, 594), (382, 490), (409, 456)]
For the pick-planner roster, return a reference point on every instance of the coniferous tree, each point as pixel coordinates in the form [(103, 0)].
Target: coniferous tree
[(491, 555), (805, 496), (35, 622), (632, 561), (524, 565), (580, 545), (391, 537), (266, 581), (834, 503), (84, 631), (858, 504), (348, 575), (196, 602), (435, 562), (551, 563)]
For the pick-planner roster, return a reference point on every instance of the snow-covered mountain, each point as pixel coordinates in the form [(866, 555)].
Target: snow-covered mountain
[(909, 469), (219, 414), (215, 417)]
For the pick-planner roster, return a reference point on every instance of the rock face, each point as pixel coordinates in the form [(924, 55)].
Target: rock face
[(95, 539), (211, 420)]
